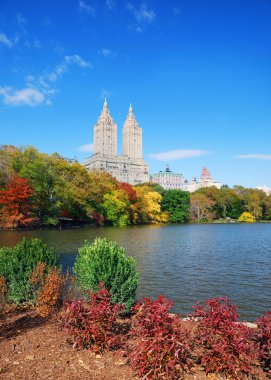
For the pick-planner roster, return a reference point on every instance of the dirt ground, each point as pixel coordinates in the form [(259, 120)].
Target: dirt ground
[(31, 348)]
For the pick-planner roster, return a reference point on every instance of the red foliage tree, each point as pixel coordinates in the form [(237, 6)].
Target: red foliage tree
[(14, 203), (129, 190)]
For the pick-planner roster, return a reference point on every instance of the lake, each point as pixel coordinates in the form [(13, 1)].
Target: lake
[(185, 263)]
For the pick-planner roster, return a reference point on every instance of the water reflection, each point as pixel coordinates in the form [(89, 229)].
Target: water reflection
[(184, 262)]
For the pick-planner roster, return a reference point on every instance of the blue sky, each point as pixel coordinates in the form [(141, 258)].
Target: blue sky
[(197, 72)]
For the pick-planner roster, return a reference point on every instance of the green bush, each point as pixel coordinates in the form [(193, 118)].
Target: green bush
[(17, 264), (105, 261)]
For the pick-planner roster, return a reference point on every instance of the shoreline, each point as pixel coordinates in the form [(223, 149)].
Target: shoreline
[(55, 228)]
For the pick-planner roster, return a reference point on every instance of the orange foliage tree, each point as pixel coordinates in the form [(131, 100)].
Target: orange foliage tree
[(129, 190), (14, 203)]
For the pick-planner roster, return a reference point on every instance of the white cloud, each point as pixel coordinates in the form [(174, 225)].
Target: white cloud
[(141, 13), (62, 67), (86, 148), (178, 154), (21, 21), (105, 52), (39, 89), (5, 40), (86, 8), (27, 96), (255, 156), (77, 60)]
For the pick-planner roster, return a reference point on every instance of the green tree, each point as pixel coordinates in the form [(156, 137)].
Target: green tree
[(177, 204), (228, 204), (40, 170)]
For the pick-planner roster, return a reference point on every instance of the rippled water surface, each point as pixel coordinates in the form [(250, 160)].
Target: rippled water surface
[(184, 262)]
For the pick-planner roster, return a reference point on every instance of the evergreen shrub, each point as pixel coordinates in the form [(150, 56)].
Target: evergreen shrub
[(104, 261), (17, 264)]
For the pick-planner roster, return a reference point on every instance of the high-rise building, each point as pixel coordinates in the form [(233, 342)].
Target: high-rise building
[(129, 167)]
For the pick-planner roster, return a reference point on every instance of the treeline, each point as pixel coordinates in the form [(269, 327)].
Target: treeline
[(39, 190), (210, 203)]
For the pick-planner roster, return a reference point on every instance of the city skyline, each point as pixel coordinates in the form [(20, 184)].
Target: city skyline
[(197, 75)]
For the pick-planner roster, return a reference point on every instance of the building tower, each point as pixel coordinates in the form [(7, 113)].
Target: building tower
[(105, 134), (131, 137), (205, 175), (128, 167)]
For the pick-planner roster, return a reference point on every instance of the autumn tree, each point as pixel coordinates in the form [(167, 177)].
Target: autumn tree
[(14, 203), (7, 152), (148, 206), (131, 192), (201, 207), (115, 207), (246, 217), (254, 205)]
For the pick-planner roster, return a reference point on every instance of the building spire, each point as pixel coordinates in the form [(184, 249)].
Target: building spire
[(130, 115), (105, 110)]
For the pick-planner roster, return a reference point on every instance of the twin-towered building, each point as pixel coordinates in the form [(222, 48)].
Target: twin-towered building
[(128, 167)]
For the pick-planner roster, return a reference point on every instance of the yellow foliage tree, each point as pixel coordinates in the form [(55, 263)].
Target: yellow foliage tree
[(149, 206), (246, 217)]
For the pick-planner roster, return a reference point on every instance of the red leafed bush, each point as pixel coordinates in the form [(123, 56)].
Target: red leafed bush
[(92, 323), (160, 348), (264, 340), (221, 344)]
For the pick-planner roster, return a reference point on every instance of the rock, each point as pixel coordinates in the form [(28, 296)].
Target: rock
[(29, 357), (121, 362)]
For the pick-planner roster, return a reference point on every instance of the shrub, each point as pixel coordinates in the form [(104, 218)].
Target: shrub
[(160, 349), (92, 322), (17, 264), (49, 293), (264, 340), (37, 277), (3, 291), (105, 261), (221, 344)]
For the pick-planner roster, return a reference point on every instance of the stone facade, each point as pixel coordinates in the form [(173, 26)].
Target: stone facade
[(128, 167), (176, 181)]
